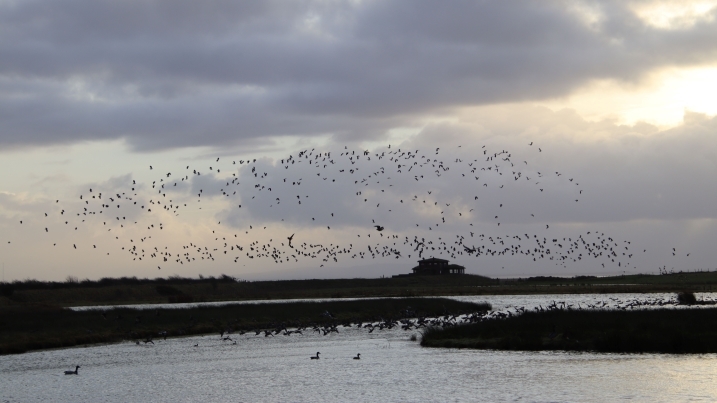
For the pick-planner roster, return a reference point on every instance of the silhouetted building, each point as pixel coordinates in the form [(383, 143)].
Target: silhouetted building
[(434, 265)]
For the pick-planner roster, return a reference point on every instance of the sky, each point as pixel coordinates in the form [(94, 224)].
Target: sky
[(609, 103)]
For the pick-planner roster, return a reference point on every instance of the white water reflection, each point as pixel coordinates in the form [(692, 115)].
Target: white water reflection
[(503, 302), (185, 305), (392, 368), (499, 302)]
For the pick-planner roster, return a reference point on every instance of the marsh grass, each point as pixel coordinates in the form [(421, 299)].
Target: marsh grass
[(135, 291), (675, 331), (25, 328)]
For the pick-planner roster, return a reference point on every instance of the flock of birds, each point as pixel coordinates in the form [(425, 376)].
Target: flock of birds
[(330, 206), (410, 321)]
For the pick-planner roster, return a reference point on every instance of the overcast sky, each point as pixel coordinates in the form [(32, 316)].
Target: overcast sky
[(618, 96)]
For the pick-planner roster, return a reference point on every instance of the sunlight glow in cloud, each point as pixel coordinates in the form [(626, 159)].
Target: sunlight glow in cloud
[(662, 98), (675, 15)]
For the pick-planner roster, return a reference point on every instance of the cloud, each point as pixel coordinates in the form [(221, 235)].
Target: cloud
[(174, 74)]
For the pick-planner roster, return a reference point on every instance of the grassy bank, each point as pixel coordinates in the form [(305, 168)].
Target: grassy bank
[(26, 328), (175, 289), (135, 291), (639, 331), (695, 278)]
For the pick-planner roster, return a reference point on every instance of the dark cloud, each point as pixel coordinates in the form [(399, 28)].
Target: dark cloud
[(172, 74)]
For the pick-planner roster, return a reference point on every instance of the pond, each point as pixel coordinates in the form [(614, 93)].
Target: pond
[(391, 368)]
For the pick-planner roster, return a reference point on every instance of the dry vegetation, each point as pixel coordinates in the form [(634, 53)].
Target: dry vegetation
[(33, 327), (616, 331)]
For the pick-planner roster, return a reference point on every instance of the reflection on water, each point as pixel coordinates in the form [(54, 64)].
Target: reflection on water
[(186, 305), (499, 302), (391, 368)]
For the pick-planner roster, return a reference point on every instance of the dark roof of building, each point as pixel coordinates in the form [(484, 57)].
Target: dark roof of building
[(434, 267), (434, 260)]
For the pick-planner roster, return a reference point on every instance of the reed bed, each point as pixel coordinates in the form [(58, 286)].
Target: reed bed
[(26, 328), (676, 331), (138, 291)]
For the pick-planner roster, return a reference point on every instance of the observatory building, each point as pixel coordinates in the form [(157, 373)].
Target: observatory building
[(435, 266)]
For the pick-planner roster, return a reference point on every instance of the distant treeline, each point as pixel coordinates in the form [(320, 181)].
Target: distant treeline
[(73, 282), (131, 290), (632, 277)]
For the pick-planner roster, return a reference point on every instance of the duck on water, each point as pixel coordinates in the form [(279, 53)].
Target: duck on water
[(72, 372)]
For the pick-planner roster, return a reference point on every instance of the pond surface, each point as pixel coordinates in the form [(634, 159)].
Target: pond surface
[(499, 302), (392, 368)]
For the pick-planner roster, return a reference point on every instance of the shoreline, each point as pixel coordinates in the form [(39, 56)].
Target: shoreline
[(46, 327), (30, 328), (36, 315), (664, 331)]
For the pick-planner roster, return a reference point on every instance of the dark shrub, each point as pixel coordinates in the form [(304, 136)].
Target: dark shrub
[(227, 279), (686, 298), (7, 289)]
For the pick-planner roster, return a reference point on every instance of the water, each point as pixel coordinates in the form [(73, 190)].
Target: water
[(499, 302), (392, 368), (186, 305)]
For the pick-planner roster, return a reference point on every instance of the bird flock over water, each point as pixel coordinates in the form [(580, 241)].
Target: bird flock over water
[(409, 320), (327, 207)]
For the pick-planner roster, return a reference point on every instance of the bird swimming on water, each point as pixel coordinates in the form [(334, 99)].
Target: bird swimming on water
[(72, 372)]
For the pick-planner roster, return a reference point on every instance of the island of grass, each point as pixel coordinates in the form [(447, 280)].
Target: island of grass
[(33, 327), (676, 331), (132, 290)]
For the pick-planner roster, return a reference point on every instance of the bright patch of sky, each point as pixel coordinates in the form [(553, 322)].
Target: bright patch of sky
[(661, 98)]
